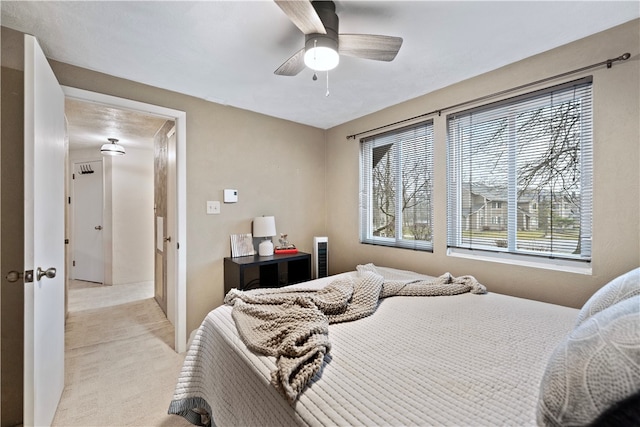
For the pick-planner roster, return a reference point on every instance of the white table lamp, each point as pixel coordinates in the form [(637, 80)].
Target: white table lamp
[(264, 226)]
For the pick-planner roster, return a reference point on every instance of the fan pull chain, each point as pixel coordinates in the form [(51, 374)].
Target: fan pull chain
[(315, 46), (327, 94)]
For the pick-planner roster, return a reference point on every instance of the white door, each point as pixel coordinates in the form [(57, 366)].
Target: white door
[(44, 152), (88, 252), (170, 253)]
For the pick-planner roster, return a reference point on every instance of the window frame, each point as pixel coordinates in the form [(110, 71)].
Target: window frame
[(366, 194), (513, 254)]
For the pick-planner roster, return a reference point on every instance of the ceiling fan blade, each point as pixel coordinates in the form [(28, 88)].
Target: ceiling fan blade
[(369, 46), (293, 65), (303, 16)]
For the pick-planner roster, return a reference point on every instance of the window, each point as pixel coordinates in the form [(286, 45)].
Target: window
[(396, 174), (534, 152)]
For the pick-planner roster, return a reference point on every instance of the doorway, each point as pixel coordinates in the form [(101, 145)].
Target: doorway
[(176, 295), (128, 236)]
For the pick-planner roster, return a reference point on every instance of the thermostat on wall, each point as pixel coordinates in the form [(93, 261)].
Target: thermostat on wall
[(230, 196)]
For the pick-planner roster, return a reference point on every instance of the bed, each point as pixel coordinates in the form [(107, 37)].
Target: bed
[(465, 359)]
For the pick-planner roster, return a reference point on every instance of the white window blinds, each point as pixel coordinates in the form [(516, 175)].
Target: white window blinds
[(396, 175), (520, 174)]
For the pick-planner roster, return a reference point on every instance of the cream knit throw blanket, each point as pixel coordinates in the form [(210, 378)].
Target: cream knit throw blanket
[(293, 325)]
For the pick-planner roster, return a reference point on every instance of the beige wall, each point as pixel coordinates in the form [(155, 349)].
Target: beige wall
[(616, 223), (11, 246), (278, 168)]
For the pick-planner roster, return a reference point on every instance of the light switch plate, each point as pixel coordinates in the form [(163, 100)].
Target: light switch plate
[(213, 207)]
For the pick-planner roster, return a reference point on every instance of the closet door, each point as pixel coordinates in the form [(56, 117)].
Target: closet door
[(164, 217), (88, 232)]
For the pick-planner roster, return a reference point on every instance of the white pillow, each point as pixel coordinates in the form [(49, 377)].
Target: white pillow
[(619, 289), (595, 366)]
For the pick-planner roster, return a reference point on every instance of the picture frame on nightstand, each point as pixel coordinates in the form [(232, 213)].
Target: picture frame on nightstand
[(242, 245)]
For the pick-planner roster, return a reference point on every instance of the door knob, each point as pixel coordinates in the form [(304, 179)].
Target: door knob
[(50, 273), (98, 227)]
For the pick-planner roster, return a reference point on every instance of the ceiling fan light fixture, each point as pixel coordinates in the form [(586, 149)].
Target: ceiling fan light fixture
[(321, 53), (112, 148), (321, 58)]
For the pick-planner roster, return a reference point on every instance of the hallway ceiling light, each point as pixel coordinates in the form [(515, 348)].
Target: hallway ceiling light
[(112, 149)]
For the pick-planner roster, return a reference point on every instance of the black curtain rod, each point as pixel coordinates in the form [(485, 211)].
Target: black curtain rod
[(608, 63)]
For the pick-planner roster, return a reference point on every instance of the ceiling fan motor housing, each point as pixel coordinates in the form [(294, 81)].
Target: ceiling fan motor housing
[(326, 10)]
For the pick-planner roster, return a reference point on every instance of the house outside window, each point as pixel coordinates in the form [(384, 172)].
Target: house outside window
[(396, 181), (531, 155)]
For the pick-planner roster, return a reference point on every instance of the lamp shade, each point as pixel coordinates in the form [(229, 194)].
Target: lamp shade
[(112, 148), (264, 226)]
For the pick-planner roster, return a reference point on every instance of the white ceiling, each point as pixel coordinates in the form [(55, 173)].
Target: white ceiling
[(90, 124), (226, 51)]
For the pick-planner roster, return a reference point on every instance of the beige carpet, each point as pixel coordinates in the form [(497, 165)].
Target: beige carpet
[(120, 366), (87, 295)]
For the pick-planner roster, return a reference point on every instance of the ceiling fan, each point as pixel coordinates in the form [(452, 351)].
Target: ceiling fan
[(324, 45)]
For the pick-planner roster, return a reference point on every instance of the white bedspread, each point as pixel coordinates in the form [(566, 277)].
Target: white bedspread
[(451, 360)]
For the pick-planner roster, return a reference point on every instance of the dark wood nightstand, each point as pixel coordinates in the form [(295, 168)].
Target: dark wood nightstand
[(254, 271)]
